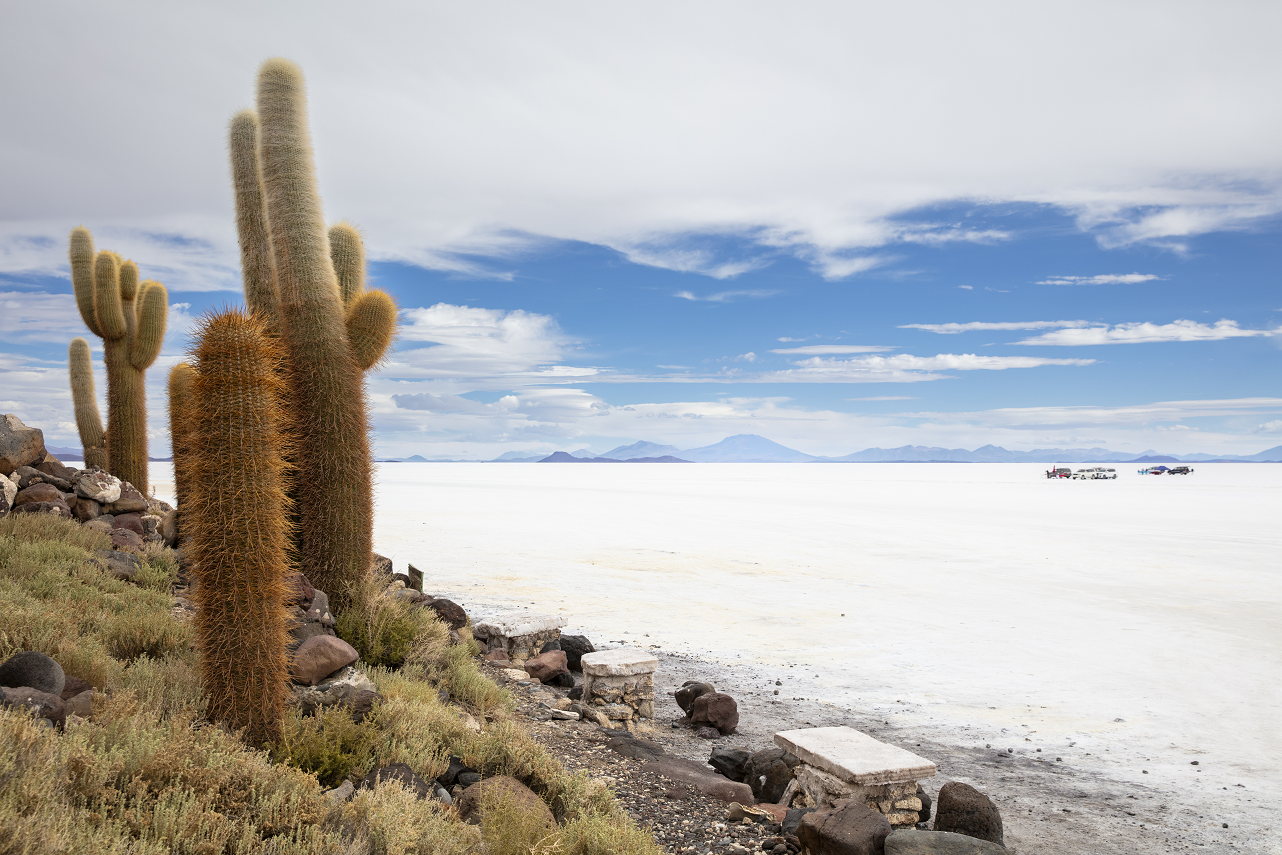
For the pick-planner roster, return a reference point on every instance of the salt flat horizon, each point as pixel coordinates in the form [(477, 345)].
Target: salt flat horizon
[(1135, 618)]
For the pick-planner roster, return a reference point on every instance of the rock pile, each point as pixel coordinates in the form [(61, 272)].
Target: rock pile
[(32, 481), (619, 685), (712, 713), (33, 681)]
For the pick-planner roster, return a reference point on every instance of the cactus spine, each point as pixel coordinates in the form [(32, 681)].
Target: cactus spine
[(130, 318), (328, 346), (181, 377), (85, 399), (239, 546)]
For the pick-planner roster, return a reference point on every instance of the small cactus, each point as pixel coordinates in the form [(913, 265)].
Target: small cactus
[(235, 518), (130, 317), (181, 377)]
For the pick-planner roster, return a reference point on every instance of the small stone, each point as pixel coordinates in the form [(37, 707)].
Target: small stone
[(342, 792), (498, 654), (81, 704), (298, 590), (118, 565), (400, 773), (707, 733), (130, 501), (130, 522), (99, 486), (124, 539)]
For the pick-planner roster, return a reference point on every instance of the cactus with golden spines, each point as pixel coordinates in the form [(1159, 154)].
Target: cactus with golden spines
[(129, 317), (236, 518), (84, 397), (332, 328)]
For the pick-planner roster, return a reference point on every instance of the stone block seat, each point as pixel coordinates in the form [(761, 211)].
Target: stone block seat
[(620, 685), (522, 634), (842, 763)]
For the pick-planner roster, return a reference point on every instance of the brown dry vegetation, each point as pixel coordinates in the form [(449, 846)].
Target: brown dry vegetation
[(147, 773)]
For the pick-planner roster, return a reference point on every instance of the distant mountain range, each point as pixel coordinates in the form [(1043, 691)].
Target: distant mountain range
[(750, 448)]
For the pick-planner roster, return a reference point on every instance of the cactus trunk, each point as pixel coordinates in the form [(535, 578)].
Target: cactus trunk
[(181, 377), (239, 545), (334, 488)]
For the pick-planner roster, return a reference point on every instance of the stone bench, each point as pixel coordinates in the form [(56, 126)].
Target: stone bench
[(619, 684), (842, 763), (522, 634)]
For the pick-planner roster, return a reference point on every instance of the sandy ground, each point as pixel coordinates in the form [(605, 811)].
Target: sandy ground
[(1128, 627)]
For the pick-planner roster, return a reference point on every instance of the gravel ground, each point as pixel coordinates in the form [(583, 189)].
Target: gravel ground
[(1048, 806)]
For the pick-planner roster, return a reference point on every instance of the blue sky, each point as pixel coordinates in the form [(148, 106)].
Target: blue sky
[(855, 227)]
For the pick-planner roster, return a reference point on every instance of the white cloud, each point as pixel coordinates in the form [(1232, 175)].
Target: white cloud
[(884, 398), (954, 328), (1145, 333), (829, 349), (967, 287), (728, 296), (902, 368), (1101, 279), (481, 343), (1274, 426)]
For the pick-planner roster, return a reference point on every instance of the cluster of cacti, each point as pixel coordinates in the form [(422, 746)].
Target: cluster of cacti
[(129, 316), (235, 510), (308, 288)]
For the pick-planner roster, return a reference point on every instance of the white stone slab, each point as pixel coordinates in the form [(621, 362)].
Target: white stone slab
[(513, 624), (623, 662), (853, 756)]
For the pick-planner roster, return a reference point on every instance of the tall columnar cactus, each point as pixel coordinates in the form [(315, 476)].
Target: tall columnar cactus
[(331, 333), (85, 399), (130, 318), (181, 377), (235, 518)]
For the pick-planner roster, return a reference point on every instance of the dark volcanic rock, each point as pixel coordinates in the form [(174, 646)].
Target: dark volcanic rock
[(768, 773), (34, 670), (716, 709), (965, 810), (57, 509), (123, 538), (299, 590), (38, 492), (449, 611), (731, 762), (855, 829), (575, 646), (924, 796), (689, 691), (400, 773)]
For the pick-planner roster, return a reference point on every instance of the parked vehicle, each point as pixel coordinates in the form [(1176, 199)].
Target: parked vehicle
[(1155, 470), (1060, 472), (1180, 470), (1099, 473)]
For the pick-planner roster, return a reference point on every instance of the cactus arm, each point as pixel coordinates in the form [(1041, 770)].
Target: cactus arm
[(83, 395), (82, 265), (106, 293), (371, 323), (153, 307), (347, 251), (129, 296), (258, 270), (240, 548)]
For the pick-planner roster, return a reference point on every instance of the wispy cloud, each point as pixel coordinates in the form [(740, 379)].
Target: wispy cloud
[(954, 328), (830, 349), (884, 398), (903, 368), (1145, 333), (1101, 279), (729, 296)]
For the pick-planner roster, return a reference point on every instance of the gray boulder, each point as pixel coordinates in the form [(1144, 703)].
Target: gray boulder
[(19, 444), (911, 842), (8, 491), (98, 485), (34, 670), (342, 688)]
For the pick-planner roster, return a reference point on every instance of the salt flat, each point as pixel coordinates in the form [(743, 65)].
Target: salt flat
[(1137, 619)]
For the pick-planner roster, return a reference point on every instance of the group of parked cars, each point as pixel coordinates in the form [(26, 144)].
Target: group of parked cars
[(1096, 474), (1101, 472)]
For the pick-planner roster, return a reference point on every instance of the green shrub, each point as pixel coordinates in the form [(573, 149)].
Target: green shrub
[(328, 745)]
